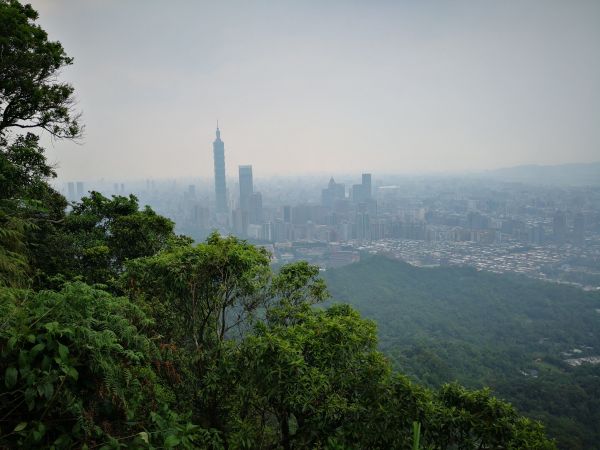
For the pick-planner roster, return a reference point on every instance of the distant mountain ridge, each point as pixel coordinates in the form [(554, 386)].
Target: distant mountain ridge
[(563, 174)]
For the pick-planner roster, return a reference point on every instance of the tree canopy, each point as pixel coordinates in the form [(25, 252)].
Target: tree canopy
[(30, 94)]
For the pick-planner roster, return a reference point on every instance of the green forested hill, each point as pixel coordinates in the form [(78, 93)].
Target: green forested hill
[(483, 329)]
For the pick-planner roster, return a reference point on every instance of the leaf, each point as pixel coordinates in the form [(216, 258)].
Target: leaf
[(12, 342), (63, 351), (46, 389), (51, 326), (30, 397), (171, 441), (143, 436), (20, 427), (23, 358), (10, 377), (72, 372), (37, 348)]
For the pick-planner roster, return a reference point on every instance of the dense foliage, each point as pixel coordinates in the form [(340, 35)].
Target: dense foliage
[(76, 368), (30, 95), (116, 333), (481, 329)]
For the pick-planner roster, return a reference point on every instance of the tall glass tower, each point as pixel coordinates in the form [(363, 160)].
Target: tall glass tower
[(246, 187), (366, 186), (220, 185)]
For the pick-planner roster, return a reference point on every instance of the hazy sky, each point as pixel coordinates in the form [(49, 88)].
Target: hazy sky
[(328, 86)]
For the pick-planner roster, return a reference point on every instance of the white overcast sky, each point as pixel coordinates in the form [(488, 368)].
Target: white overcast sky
[(328, 86)]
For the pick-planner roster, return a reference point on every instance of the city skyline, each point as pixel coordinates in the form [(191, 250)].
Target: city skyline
[(441, 221)]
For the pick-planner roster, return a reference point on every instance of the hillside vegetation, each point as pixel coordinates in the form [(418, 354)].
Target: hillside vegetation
[(483, 329)]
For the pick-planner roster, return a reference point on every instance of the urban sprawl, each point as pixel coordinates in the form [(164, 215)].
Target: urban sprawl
[(545, 232)]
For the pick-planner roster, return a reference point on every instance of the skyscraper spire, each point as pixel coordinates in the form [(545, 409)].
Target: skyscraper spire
[(220, 184)]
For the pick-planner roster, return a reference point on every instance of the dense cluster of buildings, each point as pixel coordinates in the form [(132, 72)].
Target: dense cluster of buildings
[(362, 213), (338, 217), (435, 220)]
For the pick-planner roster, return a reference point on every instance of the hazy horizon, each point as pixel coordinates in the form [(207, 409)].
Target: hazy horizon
[(304, 87)]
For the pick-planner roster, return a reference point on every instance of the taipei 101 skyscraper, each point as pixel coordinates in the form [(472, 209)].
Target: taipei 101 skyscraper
[(220, 186)]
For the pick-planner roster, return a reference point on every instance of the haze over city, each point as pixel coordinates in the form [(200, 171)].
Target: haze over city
[(327, 87)]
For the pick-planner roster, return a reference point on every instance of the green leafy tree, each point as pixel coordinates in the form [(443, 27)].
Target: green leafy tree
[(309, 380), (201, 293), (475, 419), (13, 261), (101, 234), (298, 284), (23, 167), (31, 211), (77, 368), (30, 95), (31, 98), (201, 297)]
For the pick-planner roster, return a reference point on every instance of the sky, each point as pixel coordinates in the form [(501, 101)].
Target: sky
[(327, 86)]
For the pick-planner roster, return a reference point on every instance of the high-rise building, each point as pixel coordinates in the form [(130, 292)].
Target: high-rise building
[(302, 213), (220, 184), (246, 187), (333, 192), (579, 228), (200, 217), (240, 221), (357, 193), (536, 234), (71, 190), (80, 188), (366, 186), (287, 214), (477, 221), (363, 225), (255, 215), (559, 226)]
